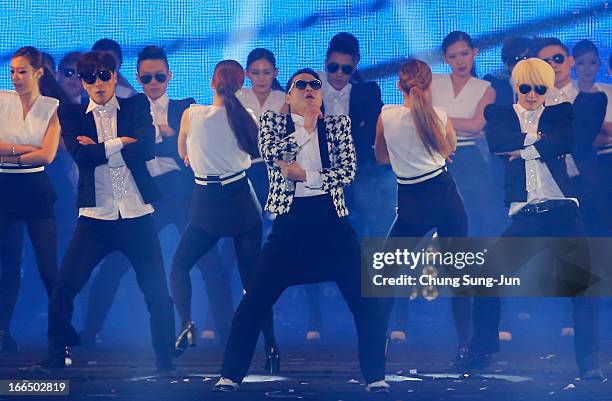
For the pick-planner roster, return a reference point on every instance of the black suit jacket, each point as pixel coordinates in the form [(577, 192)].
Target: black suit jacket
[(503, 131), (590, 112), (133, 120), (364, 108), (168, 147)]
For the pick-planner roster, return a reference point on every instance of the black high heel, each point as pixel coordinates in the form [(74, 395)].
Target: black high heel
[(272, 361), (185, 339)]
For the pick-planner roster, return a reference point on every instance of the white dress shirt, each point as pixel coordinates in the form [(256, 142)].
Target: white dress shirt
[(116, 191), (159, 112), (539, 182), (568, 93), (309, 157), (336, 102)]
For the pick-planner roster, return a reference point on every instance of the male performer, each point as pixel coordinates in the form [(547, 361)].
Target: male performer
[(176, 181), (110, 140), (535, 140), (123, 89), (311, 239)]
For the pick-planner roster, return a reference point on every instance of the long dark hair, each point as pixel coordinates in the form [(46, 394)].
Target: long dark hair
[(459, 36), (228, 77), (415, 78), (264, 54), (47, 84)]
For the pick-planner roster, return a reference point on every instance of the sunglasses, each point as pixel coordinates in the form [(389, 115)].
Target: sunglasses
[(557, 58), (301, 84), (104, 75), (147, 78), (539, 89), (516, 59), (69, 72), (346, 68)]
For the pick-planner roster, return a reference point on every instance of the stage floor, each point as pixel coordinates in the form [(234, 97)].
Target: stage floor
[(323, 371)]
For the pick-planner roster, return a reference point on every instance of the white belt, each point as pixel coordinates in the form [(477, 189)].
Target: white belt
[(219, 179), (604, 151), (465, 142), (422, 177), (15, 169)]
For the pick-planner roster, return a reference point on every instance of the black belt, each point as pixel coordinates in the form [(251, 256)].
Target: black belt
[(545, 206)]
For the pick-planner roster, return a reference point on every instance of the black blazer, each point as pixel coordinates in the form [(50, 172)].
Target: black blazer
[(500, 81), (503, 132), (590, 112), (364, 108), (133, 120), (168, 147)]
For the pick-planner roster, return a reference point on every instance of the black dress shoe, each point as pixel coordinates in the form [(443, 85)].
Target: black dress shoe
[(461, 357), (166, 372), (56, 360), (272, 365), (185, 339), (7, 344), (474, 362)]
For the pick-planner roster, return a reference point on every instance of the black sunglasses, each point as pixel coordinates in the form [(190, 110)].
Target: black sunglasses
[(539, 89), (104, 75), (514, 60), (346, 68), (147, 78), (557, 58), (301, 84), (69, 72)]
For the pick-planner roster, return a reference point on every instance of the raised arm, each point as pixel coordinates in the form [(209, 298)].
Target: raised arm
[(272, 145), (342, 173)]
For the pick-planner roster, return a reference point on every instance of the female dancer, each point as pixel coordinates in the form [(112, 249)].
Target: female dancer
[(415, 139), (29, 137), (218, 142), (265, 92), (464, 98)]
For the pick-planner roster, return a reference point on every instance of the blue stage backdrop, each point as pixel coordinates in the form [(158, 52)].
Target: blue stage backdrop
[(197, 33)]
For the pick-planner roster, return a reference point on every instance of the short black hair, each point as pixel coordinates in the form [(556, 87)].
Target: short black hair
[(298, 72), (94, 61), (345, 43), (49, 60), (583, 47), (69, 58), (109, 45), (516, 46), (152, 53), (541, 43)]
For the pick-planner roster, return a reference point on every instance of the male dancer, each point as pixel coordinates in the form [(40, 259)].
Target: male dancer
[(176, 181), (110, 140), (311, 239)]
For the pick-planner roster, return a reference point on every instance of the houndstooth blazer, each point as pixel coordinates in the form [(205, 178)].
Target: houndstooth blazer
[(273, 142)]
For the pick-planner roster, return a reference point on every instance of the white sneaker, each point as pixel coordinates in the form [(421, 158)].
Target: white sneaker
[(226, 386), (380, 386)]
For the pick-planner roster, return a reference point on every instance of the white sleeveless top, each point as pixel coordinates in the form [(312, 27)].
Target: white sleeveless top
[(212, 146), (462, 106), (409, 156), (31, 130), (275, 101)]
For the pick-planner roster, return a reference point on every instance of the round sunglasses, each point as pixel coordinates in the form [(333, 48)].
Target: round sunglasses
[(159, 77), (347, 69), (557, 59), (539, 89)]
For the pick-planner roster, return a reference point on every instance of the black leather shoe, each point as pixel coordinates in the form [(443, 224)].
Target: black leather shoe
[(166, 372), (474, 362), (55, 361), (7, 344), (460, 358), (272, 365), (185, 339)]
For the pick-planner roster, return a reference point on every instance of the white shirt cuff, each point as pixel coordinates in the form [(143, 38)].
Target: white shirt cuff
[(314, 179), (530, 153), (112, 148), (302, 136)]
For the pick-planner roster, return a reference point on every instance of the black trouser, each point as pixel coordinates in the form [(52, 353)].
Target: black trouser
[(433, 204), (562, 221), (93, 240), (43, 237), (167, 211), (307, 245), (194, 243)]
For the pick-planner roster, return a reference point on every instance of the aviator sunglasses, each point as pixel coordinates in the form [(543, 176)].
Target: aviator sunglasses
[(346, 68), (557, 58), (104, 75), (159, 77), (301, 84), (539, 89)]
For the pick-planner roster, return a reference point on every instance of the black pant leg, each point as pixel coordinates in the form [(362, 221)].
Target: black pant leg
[(194, 243), (44, 241), (139, 242), (11, 247), (586, 339), (313, 297), (92, 240)]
